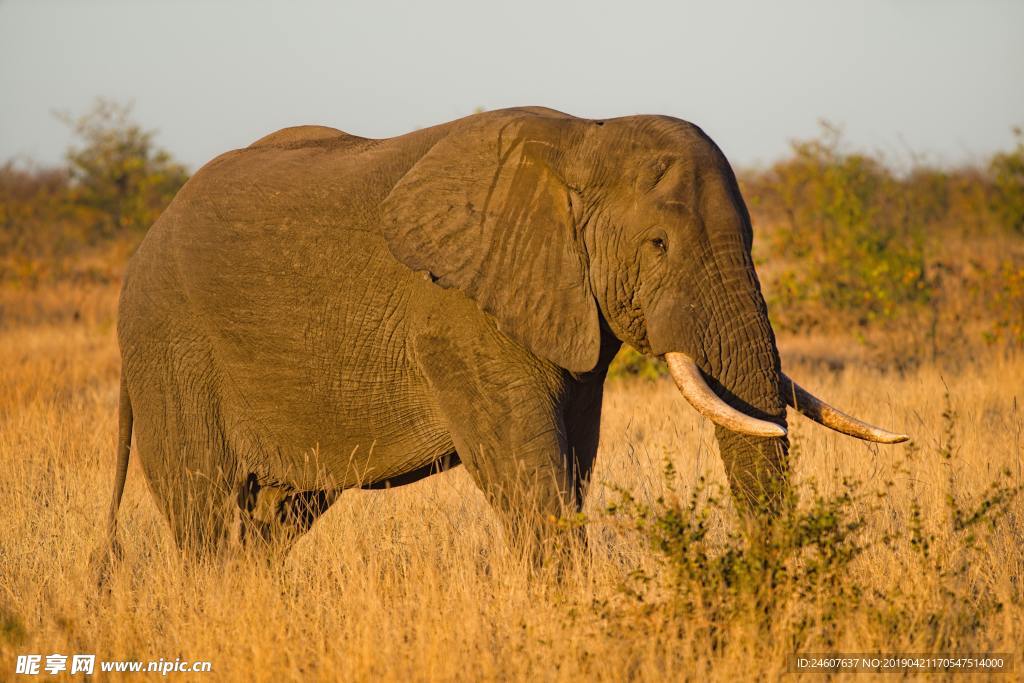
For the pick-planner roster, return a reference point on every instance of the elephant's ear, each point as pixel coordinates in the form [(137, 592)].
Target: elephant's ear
[(487, 211)]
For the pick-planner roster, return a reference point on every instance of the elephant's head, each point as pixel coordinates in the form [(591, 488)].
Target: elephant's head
[(569, 231)]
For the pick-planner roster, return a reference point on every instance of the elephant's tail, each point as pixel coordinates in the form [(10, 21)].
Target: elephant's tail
[(124, 445)]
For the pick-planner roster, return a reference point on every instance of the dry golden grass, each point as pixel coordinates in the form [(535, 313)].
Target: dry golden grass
[(416, 583)]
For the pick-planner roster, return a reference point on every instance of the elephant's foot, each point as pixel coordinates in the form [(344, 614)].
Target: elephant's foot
[(274, 516)]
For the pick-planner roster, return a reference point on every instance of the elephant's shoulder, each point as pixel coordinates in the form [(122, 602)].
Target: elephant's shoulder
[(299, 136)]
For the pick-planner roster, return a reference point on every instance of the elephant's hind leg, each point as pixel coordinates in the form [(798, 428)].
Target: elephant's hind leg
[(274, 516), (182, 443), (192, 480)]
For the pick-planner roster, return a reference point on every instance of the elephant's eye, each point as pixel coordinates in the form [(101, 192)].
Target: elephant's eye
[(659, 244)]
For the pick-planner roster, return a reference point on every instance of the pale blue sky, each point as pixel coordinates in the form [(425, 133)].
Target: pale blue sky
[(944, 78)]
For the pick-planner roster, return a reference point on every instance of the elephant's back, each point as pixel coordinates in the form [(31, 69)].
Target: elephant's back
[(300, 136), (293, 205)]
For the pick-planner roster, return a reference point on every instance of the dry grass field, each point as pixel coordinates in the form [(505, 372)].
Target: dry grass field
[(925, 554)]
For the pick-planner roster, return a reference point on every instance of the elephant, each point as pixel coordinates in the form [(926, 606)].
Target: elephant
[(321, 311)]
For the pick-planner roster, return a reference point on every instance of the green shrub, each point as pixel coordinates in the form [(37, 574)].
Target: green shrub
[(851, 238), (804, 569), (1007, 171), (1004, 296), (803, 557), (631, 363)]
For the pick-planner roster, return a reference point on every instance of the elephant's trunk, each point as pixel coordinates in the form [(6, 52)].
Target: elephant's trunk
[(753, 450), (743, 367), (744, 392)]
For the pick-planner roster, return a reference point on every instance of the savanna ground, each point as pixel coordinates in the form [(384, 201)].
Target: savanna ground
[(918, 548)]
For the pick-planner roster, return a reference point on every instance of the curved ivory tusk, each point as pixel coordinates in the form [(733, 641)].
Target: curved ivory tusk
[(814, 408), (691, 384)]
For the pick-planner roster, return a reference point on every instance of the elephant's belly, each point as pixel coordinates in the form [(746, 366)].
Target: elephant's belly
[(356, 432)]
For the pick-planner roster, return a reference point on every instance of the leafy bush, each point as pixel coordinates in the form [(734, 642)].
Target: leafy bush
[(631, 363), (1007, 170), (40, 229), (803, 558), (1005, 304), (852, 241), (806, 569)]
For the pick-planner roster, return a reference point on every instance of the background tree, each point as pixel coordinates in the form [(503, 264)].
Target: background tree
[(118, 171)]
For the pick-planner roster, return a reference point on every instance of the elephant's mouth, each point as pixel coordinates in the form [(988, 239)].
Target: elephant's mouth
[(695, 389)]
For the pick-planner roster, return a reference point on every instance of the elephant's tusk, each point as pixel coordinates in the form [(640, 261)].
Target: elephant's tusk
[(814, 408), (695, 389)]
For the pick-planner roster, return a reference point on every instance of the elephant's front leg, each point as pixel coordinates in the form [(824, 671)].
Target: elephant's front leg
[(505, 416), (524, 475), (582, 417)]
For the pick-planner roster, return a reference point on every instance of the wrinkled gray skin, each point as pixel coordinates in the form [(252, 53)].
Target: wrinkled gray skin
[(321, 311)]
